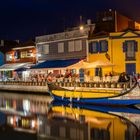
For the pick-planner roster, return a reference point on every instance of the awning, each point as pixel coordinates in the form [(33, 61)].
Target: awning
[(55, 64), (79, 65), (13, 66), (99, 63)]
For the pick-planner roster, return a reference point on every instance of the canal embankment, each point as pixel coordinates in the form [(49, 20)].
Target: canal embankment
[(26, 87)]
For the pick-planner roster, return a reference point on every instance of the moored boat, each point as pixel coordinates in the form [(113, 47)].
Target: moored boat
[(90, 95)]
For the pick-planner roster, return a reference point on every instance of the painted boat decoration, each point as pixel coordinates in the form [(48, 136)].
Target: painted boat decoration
[(99, 118), (105, 96)]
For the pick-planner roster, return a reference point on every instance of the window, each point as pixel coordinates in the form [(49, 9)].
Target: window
[(26, 54), (130, 68), (16, 54), (46, 49), (8, 57), (93, 47), (103, 46), (130, 53), (71, 46), (75, 45), (98, 72), (130, 47), (78, 45), (60, 47), (40, 48)]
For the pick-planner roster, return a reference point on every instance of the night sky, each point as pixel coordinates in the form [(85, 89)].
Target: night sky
[(25, 19)]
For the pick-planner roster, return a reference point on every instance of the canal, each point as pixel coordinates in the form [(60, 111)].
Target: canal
[(37, 117)]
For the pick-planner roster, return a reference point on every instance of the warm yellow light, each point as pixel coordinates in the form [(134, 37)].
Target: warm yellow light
[(81, 27)]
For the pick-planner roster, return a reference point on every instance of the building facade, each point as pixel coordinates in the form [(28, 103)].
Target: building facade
[(71, 44), (113, 21), (22, 53), (17, 60), (119, 48), (5, 45)]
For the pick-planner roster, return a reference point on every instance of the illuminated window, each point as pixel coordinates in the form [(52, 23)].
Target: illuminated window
[(78, 45), (130, 47), (24, 54), (93, 47), (60, 47), (71, 46), (16, 54), (8, 57), (39, 48), (46, 49), (103, 46)]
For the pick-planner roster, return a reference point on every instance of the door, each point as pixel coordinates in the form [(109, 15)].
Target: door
[(81, 75), (131, 68), (98, 72)]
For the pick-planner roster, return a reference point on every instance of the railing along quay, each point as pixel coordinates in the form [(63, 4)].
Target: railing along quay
[(23, 83), (72, 84), (95, 84), (21, 86)]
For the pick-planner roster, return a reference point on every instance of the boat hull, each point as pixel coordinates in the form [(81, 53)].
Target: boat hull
[(125, 97), (105, 101)]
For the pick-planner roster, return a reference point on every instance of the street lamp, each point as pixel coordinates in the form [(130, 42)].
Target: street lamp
[(81, 27)]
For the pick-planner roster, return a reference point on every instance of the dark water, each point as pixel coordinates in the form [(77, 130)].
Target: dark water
[(36, 117)]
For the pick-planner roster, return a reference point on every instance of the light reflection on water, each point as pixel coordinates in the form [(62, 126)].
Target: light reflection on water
[(36, 114)]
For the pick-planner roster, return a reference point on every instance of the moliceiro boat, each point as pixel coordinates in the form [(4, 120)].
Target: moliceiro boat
[(123, 95)]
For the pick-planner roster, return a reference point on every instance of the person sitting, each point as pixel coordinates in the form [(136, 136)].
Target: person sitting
[(49, 77), (124, 77), (68, 74)]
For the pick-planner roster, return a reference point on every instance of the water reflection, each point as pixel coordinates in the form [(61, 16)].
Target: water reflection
[(56, 120)]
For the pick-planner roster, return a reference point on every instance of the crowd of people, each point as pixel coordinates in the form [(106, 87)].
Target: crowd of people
[(51, 77), (70, 76)]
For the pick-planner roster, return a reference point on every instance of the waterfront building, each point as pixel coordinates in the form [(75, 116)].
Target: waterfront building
[(5, 45), (119, 48), (73, 44), (67, 48), (113, 21), (17, 60)]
